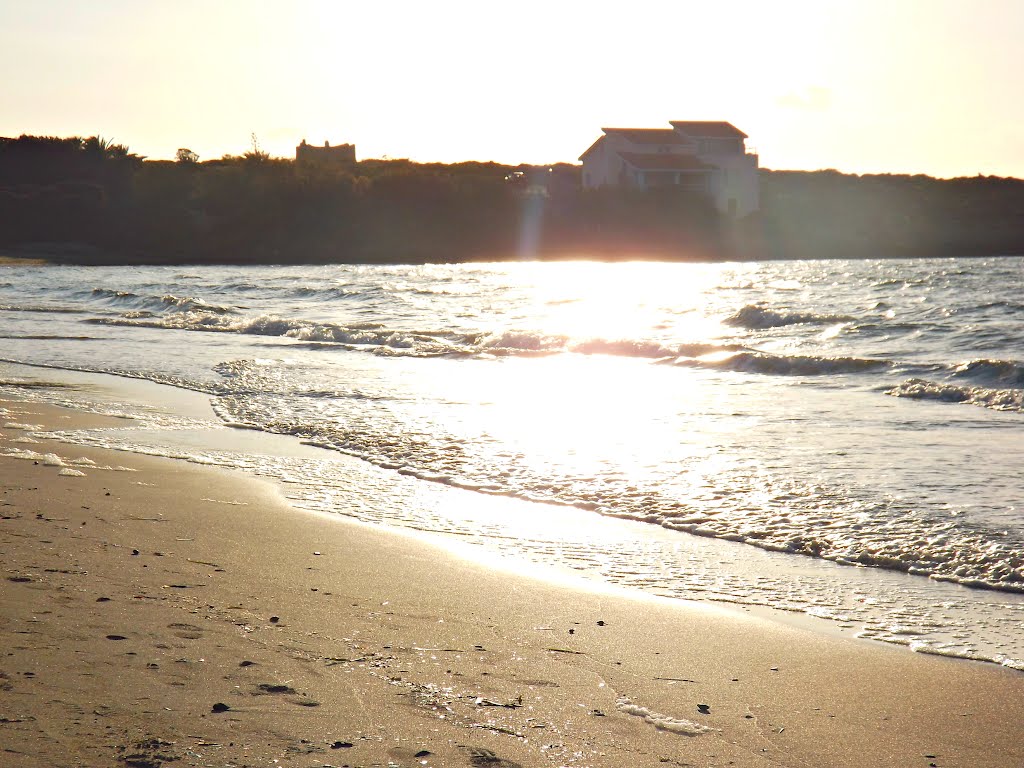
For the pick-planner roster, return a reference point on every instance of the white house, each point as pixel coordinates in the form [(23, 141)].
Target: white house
[(709, 157)]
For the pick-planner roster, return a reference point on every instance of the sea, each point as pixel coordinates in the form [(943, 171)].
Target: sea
[(839, 442)]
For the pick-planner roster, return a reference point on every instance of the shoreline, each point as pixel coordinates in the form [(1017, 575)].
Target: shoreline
[(534, 539), (481, 527), (398, 647)]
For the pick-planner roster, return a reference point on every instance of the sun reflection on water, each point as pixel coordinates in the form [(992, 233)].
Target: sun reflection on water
[(580, 415), (592, 300)]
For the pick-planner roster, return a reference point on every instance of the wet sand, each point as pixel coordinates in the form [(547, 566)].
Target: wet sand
[(178, 615)]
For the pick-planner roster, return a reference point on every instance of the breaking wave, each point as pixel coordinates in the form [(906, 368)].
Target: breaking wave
[(985, 397), (109, 293), (781, 365), (414, 343), (157, 304), (759, 317), (1004, 373)]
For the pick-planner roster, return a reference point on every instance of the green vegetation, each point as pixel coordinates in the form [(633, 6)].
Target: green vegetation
[(827, 214), (116, 207)]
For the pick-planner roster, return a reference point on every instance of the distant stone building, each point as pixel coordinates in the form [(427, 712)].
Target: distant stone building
[(708, 157), (341, 156)]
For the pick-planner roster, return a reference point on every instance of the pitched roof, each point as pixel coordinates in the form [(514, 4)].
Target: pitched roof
[(711, 129), (663, 162), (661, 136), (592, 147), (648, 135)]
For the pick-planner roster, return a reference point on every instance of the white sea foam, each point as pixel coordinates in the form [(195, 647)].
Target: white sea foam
[(18, 453), (986, 397), (782, 365), (758, 316), (660, 721)]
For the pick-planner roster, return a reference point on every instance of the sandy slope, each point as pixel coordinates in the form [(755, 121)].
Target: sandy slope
[(134, 605)]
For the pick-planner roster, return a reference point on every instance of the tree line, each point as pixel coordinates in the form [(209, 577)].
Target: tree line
[(117, 207), (831, 214)]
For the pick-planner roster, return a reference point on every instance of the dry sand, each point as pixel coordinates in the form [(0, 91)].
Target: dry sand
[(21, 261), (176, 615)]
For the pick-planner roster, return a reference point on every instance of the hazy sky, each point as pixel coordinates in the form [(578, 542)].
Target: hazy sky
[(900, 86)]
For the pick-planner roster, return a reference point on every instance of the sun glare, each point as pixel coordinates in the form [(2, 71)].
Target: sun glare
[(588, 301), (588, 327)]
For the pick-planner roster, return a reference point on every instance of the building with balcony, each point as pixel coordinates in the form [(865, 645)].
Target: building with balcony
[(706, 157)]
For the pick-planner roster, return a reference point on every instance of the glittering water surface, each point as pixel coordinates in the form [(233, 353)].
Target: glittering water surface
[(832, 414)]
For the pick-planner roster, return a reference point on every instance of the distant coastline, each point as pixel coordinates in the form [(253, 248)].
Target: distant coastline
[(85, 201)]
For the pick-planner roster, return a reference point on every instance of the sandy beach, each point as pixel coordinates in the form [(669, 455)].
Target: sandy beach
[(158, 613)]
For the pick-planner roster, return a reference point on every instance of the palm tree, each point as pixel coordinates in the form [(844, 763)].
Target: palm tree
[(105, 149)]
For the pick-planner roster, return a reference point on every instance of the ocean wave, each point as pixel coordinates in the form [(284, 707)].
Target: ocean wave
[(162, 303), (188, 304), (890, 328), (334, 291), (902, 282), (1005, 373), (359, 335), (781, 365), (1011, 306), (642, 349), (110, 293), (41, 309), (520, 341), (409, 342), (985, 397), (933, 549), (758, 317), (432, 291)]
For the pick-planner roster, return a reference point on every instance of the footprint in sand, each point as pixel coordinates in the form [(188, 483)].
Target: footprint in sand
[(150, 753), (540, 683), (273, 688), (186, 631), (480, 757)]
